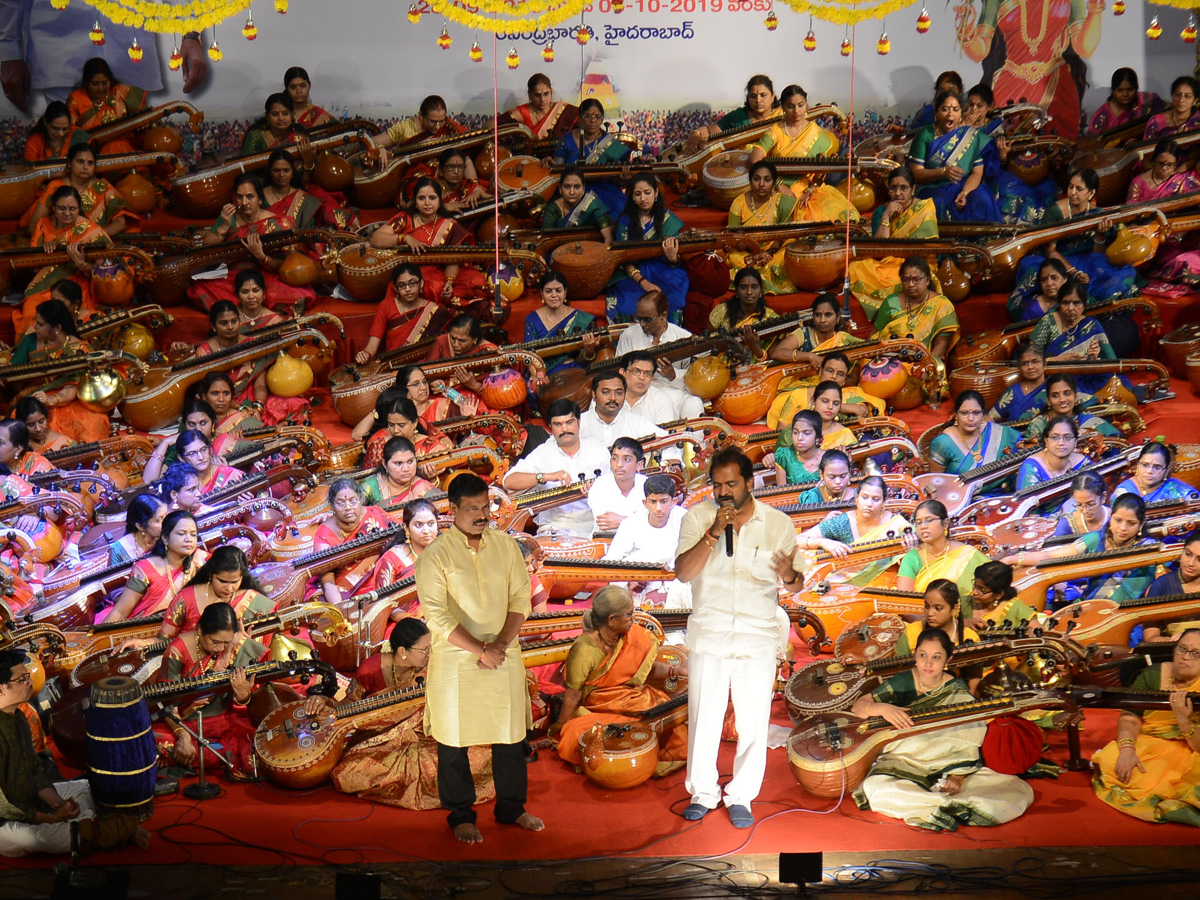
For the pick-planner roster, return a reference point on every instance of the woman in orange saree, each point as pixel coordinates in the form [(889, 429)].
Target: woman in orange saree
[(102, 100), (398, 764), (351, 520), (248, 220), (53, 134), (99, 200), (606, 673), (64, 229), (548, 119)]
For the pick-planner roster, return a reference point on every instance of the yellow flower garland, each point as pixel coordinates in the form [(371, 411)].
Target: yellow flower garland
[(504, 17), (162, 18), (851, 12), (1178, 4)]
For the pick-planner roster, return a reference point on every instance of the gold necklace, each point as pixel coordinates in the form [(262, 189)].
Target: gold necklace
[(929, 562), (1034, 43)]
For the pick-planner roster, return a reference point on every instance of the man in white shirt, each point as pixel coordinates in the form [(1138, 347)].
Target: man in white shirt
[(733, 631), (617, 494), (653, 329), (651, 535), (565, 459), (642, 395), (608, 418)]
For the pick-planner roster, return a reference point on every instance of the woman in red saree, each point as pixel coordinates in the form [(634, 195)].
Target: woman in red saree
[(351, 520), (399, 561), (196, 450), (248, 220), (156, 580), (401, 420), (403, 316), (54, 336), (102, 100), (297, 83), (53, 134), (412, 384), (64, 229), (16, 453), (547, 118), (395, 479), (217, 645), (606, 673), (277, 128), (308, 207), (430, 228), (397, 764), (36, 416), (217, 389), (251, 290), (99, 200)]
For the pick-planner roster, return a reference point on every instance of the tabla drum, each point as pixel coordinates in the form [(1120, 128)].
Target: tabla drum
[(873, 638), (726, 177), (1178, 345), (122, 758)]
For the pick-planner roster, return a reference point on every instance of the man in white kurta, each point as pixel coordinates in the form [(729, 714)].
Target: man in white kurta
[(475, 591), (733, 632), (651, 331), (642, 395)]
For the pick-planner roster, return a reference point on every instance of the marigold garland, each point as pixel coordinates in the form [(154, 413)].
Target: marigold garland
[(851, 12), (162, 18), (509, 16)]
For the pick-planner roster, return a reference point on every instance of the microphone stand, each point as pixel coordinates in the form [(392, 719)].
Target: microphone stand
[(203, 789)]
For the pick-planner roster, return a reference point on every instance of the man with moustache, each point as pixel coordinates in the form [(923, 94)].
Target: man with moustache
[(475, 591), (563, 460), (734, 631), (609, 418)]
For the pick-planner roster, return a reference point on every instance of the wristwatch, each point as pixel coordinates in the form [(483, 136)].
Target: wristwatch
[(541, 479)]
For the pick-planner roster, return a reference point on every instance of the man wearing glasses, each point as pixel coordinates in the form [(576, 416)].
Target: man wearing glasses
[(1152, 769), (651, 329), (35, 813), (642, 395)]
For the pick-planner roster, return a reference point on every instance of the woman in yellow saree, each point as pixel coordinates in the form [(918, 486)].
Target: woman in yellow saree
[(937, 556), (797, 137), (903, 218), (1152, 769), (763, 204), (605, 674)]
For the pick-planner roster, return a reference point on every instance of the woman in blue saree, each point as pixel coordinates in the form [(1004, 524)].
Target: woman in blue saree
[(592, 145), (556, 319), (1029, 306), (1122, 532), (1150, 481), (947, 161), (1027, 397), (970, 440), (1057, 457), (577, 207), (1066, 335), (1083, 254), (646, 218), (1064, 399)]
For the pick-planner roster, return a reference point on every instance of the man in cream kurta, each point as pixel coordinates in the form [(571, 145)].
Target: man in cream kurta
[(475, 591)]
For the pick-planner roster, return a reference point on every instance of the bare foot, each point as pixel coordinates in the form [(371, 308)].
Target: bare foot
[(141, 838), (530, 822), (468, 833)]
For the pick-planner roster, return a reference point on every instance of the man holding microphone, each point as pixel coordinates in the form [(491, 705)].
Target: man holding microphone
[(734, 551)]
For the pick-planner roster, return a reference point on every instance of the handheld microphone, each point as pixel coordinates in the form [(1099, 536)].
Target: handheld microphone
[(728, 535)]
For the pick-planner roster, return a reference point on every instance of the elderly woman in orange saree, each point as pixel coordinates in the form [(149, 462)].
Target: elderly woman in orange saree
[(248, 220), (351, 520), (102, 100), (797, 137), (64, 229), (398, 764), (99, 200), (606, 673)]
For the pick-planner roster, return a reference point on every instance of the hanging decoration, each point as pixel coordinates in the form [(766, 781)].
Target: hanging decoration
[(281, 7), (883, 46), (414, 14), (847, 45), (618, 6), (810, 39), (175, 63), (214, 51), (476, 53), (505, 17), (1189, 32), (772, 20), (849, 12), (924, 22), (97, 34), (169, 18), (60, 5), (513, 59), (583, 34), (1119, 8), (444, 40), (249, 30), (135, 52), (548, 52), (1154, 32)]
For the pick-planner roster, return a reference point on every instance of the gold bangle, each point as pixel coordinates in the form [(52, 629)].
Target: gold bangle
[(1190, 731), (1125, 742), (795, 354)]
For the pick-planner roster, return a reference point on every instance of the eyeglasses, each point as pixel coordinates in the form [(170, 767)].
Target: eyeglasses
[(646, 320), (27, 678), (195, 454), (454, 167), (592, 116), (926, 521), (1061, 438), (913, 279), (644, 373), (346, 503), (1090, 504), (1185, 653), (408, 284), (1152, 467)]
